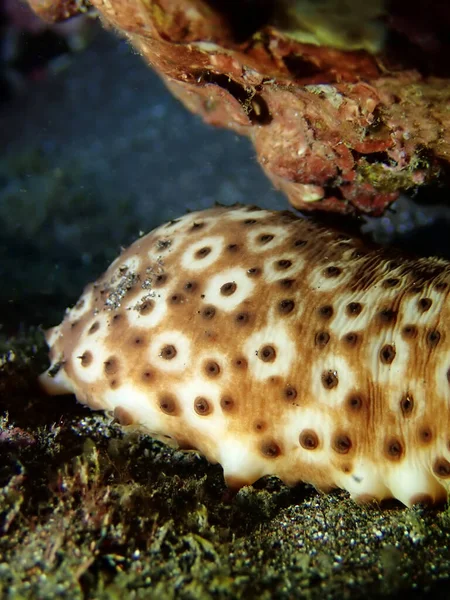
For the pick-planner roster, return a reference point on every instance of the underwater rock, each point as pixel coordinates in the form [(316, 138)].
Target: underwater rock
[(274, 346), (346, 104)]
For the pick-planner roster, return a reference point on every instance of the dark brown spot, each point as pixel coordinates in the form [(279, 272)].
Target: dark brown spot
[(146, 307), (80, 304), (197, 226), (284, 263), (111, 365), (270, 449), (424, 304), (267, 353), (254, 272), (342, 443), (391, 282), (242, 318), (387, 354), (203, 252), (407, 404), (353, 309), (351, 339), (94, 327), (392, 265), (163, 244), (409, 332), (441, 286), (329, 379), (286, 283), (355, 402), (114, 383), (228, 288), (240, 362), (433, 338), (177, 299), (250, 221), (441, 468), (190, 286), (321, 339), (137, 341), (308, 439), (208, 312), (160, 280), (232, 247), (202, 406), (86, 358), (122, 416), (74, 324), (300, 243), (386, 315), (286, 306), (227, 403), (168, 352), (265, 238), (259, 426), (326, 312), (290, 393), (332, 271), (425, 435), (116, 318), (448, 375), (415, 289), (212, 369), (148, 376), (393, 449), (168, 405)]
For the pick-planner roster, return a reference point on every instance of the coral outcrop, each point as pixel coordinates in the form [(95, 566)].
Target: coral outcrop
[(346, 106)]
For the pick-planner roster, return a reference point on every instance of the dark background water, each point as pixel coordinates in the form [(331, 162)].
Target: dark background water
[(92, 156)]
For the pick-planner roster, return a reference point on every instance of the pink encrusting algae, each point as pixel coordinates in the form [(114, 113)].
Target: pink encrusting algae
[(273, 346)]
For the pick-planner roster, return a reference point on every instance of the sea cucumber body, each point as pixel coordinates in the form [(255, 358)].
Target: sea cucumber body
[(273, 346)]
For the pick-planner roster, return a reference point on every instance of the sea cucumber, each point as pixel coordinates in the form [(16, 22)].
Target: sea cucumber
[(273, 346)]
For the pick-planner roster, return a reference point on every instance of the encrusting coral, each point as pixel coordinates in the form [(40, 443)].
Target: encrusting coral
[(346, 102), (274, 346)]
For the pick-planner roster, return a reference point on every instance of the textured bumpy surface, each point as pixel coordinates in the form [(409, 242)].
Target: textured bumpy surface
[(273, 346), (346, 102)]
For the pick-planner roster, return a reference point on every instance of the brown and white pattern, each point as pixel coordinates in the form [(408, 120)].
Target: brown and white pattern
[(273, 346)]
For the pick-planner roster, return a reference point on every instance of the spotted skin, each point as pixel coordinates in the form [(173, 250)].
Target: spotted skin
[(273, 346)]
